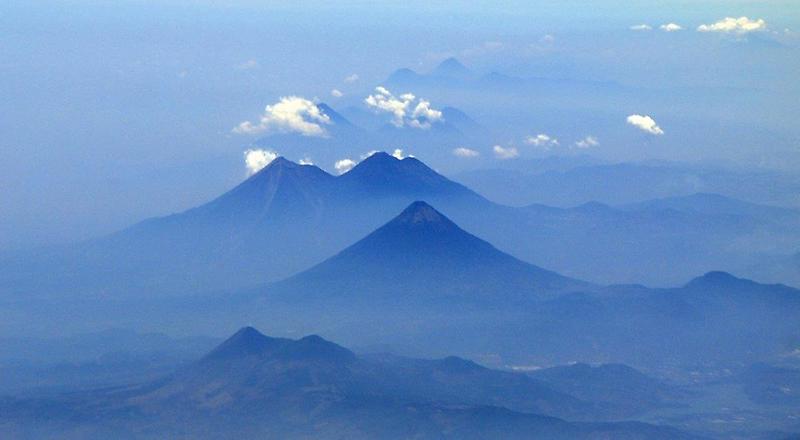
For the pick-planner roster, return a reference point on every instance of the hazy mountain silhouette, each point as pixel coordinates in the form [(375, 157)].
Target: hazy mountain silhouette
[(619, 386), (288, 217), (580, 181), (452, 74), (422, 255), (254, 386), (280, 220), (451, 68)]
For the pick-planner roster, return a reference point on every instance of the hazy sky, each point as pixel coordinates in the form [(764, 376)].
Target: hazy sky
[(113, 111)]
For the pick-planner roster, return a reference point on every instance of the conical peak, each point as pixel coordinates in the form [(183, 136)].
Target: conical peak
[(246, 341), (420, 212), (451, 63)]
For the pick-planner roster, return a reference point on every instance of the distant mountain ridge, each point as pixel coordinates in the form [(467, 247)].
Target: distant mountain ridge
[(254, 386), (289, 217)]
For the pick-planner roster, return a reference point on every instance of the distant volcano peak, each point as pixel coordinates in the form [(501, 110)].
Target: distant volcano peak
[(280, 162), (422, 254), (420, 212), (451, 68)]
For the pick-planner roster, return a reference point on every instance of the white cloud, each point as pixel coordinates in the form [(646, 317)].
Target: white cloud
[(547, 39), (741, 25), (344, 165), (351, 78), (505, 153), (305, 161), (465, 152), (247, 65), (424, 115), (542, 140), (291, 114), (587, 142), (645, 123), (641, 27), (405, 109), (255, 160), (336, 93), (398, 153), (670, 27)]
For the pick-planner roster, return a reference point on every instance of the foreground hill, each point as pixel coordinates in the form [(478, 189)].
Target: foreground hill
[(528, 316), (253, 386)]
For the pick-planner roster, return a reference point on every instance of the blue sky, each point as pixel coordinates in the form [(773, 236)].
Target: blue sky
[(115, 111)]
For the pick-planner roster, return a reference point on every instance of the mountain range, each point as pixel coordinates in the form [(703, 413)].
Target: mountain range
[(451, 73), (254, 386), (420, 274), (288, 217)]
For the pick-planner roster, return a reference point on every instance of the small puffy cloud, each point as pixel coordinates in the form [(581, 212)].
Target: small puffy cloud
[(351, 78), (505, 153), (406, 109), (398, 154), (542, 140), (645, 123), (305, 161), (547, 39), (587, 142), (247, 65), (344, 165), (291, 114), (336, 93), (670, 27), (741, 25), (641, 27), (465, 152), (256, 159)]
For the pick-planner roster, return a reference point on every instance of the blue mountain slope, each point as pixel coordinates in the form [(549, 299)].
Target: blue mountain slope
[(421, 255)]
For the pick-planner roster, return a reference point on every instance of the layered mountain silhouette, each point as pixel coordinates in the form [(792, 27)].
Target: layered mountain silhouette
[(279, 221), (421, 255), (254, 386), (452, 74), (619, 386), (289, 217)]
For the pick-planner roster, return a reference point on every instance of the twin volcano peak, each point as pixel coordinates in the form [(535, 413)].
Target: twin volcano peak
[(379, 161), (249, 342)]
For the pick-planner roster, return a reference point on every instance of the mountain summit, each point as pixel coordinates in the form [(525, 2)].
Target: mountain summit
[(421, 213), (451, 68), (250, 343), (382, 175)]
